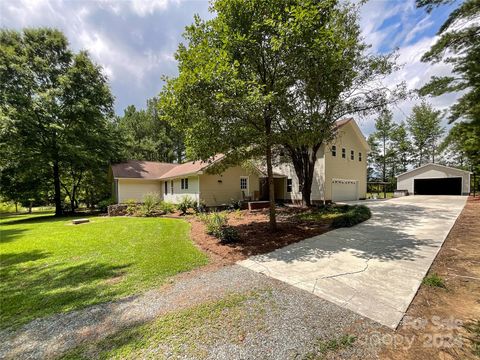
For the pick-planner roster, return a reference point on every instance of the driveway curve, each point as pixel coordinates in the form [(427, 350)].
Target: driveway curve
[(374, 268)]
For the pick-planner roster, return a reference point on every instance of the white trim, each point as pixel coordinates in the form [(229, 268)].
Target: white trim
[(433, 178), (247, 192), (433, 164)]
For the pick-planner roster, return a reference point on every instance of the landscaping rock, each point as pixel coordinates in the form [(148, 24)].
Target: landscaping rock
[(80, 221), (117, 210)]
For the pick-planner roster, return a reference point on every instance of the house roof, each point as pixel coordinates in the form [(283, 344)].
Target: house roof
[(135, 169), (434, 165), (191, 167)]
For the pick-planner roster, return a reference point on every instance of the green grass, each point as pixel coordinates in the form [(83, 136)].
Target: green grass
[(185, 332), (323, 347), (341, 216), (50, 266), (433, 280)]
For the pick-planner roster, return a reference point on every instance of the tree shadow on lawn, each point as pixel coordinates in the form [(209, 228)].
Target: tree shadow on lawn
[(8, 235), (387, 236), (31, 290)]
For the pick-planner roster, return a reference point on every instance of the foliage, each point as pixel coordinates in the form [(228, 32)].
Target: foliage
[(148, 136), (9, 207), (433, 280), (228, 235), (132, 207), (322, 347), (214, 222), (457, 45), (353, 216), (166, 207), (50, 266), (150, 204), (104, 204), (331, 75), (473, 329), (186, 203), (383, 156), (235, 204), (54, 115), (426, 130), (200, 206)]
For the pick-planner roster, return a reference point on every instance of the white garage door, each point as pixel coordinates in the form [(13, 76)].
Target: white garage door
[(344, 190)]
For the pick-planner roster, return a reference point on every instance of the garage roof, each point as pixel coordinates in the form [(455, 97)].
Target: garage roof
[(434, 165)]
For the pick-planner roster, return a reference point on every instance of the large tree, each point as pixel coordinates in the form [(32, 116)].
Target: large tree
[(459, 45), (424, 125), (402, 148), (149, 137), (232, 78), (55, 108), (384, 129), (333, 75)]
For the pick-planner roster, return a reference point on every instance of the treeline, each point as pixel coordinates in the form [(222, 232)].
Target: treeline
[(58, 131)]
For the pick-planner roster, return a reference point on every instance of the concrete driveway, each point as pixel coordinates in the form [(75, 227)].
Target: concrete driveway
[(374, 268)]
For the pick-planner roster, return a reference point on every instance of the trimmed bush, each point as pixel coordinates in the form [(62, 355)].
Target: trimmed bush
[(166, 207), (353, 215), (150, 205), (228, 235), (186, 203), (217, 225)]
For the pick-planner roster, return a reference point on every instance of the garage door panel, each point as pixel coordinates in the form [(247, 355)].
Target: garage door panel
[(344, 190), (438, 186)]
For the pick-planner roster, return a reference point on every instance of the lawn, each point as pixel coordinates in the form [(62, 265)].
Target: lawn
[(50, 266)]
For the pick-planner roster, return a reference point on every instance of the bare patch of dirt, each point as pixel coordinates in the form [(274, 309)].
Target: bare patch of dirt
[(433, 322), (255, 234)]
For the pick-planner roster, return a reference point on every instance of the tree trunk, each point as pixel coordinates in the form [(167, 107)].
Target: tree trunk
[(30, 208), (271, 188), (16, 207), (56, 184), (304, 160)]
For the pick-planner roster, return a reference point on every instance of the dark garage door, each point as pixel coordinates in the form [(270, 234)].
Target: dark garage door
[(441, 186)]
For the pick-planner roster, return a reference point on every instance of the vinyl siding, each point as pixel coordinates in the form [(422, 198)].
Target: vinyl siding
[(222, 188), (406, 181), (135, 189), (178, 192), (347, 169)]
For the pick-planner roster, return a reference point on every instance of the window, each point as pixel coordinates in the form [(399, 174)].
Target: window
[(171, 187), (289, 185), (352, 155), (359, 156), (184, 184), (166, 188), (334, 150), (243, 183), (344, 153)]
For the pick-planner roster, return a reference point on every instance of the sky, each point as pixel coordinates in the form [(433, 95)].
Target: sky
[(135, 41)]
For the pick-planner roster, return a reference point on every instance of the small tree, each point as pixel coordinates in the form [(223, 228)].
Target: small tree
[(426, 131)]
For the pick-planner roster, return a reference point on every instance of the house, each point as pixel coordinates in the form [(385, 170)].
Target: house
[(340, 174), (435, 179), (133, 179)]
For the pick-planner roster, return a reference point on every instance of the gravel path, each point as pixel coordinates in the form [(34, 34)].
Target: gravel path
[(291, 324)]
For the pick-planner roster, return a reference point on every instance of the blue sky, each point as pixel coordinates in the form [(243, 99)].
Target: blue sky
[(135, 40)]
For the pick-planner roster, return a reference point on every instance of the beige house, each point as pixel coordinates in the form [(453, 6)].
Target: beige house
[(340, 174), (133, 179)]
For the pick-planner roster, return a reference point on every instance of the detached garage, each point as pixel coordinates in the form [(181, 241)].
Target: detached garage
[(434, 179)]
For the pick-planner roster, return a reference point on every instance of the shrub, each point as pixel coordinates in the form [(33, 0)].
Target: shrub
[(235, 204), (150, 204), (217, 225), (353, 215), (200, 207), (186, 203), (132, 207), (228, 235), (433, 280), (166, 207), (104, 204)]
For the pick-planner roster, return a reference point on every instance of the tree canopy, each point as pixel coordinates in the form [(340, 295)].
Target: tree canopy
[(55, 111)]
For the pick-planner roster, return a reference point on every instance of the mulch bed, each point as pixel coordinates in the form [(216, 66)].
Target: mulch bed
[(255, 234)]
